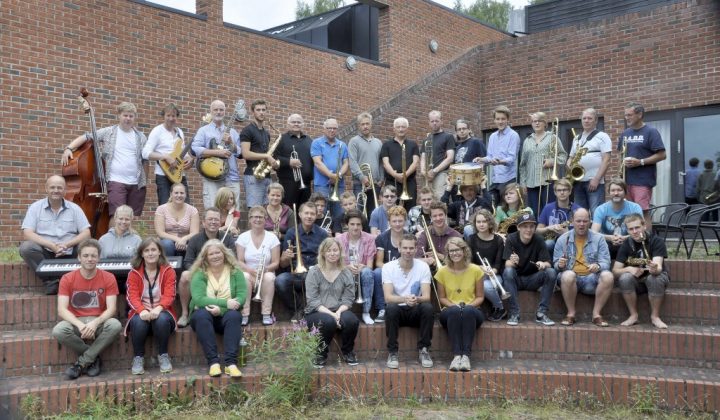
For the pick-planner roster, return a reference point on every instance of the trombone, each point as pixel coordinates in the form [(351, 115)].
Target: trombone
[(299, 267), (297, 172), (428, 147), (334, 196), (405, 196), (623, 152), (487, 268), (366, 169)]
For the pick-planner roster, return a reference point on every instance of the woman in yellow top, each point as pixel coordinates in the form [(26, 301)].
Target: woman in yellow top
[(460, 288)]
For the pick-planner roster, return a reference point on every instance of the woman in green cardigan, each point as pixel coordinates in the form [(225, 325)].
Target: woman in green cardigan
[(218, 292)]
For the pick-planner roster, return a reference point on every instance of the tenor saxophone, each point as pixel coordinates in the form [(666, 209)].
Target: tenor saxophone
[(263, 168)]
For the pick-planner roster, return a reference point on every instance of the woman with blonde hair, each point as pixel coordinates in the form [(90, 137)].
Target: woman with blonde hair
[(460, 289), (255, 247), (512, 201), (229, 214), (330, 293), (279, 217), (121, 241), (176, 222), (218, 291)]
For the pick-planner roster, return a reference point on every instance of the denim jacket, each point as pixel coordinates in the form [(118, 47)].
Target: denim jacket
[(595, 250)]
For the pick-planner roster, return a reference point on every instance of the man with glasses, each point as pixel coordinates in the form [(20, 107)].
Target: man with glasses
[(295, 140), (379, 218), (582, 260), (330, 156), (391, 155), (556, 216), (211, 227), (590, 190)]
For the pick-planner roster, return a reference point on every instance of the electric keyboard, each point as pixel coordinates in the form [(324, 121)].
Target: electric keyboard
[(117, 266)]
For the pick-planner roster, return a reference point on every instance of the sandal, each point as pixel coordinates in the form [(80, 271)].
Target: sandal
[(568, 321), (600, 322)]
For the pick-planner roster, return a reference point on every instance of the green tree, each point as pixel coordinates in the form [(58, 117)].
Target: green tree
[(303, 9), (493, 12)]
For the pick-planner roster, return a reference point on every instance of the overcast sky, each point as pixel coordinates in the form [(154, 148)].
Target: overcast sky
[(264, 14)]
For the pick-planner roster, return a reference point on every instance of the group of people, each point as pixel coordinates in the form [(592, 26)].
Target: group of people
[(324, 254)]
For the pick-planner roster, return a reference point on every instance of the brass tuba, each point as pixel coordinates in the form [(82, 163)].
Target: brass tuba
[(299, 267), (405, 196)]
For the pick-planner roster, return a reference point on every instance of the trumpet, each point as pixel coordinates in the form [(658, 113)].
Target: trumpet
[(353, 257), (263, 168), (334, 196), (297, 173), (487, 268), (405, 196), (299, 267), (367, 171), (326, 221), (259, 273), (362, 202)]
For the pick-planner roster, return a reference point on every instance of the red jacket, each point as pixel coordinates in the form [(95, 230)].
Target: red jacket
[(136, 285)]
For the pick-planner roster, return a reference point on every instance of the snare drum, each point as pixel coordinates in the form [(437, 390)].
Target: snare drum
[(466, 174)]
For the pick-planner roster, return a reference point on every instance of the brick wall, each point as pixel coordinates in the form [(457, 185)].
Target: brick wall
[(125, 50), (667, 58)]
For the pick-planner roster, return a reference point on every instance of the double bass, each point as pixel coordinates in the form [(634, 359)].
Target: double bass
[(85, 180)]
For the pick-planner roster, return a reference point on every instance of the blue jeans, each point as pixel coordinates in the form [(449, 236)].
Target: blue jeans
[(461, 324), (586, 199), (371, 287), (379, 296), (532, 198), (255, 190), (334, 206), (229, 325), (169, 248), (491, 293), (163, 185), (513, 282), (161, 328)]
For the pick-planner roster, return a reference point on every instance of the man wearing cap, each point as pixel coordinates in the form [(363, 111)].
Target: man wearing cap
[(582, 258), (528, 267)]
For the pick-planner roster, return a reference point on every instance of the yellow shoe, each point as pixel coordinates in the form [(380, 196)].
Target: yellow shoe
[(215, 370), (233, 371)]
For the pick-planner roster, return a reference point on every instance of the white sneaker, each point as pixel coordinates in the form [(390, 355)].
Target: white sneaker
[(381, 316), (455, 364), (367, 319), (465, 364)]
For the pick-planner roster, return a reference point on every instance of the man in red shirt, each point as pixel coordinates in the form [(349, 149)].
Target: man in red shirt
[(87, 300)]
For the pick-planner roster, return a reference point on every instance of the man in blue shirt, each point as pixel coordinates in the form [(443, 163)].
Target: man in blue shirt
[(289, 286), (502, 153), (645, 149), (609, 217), (328, 154)]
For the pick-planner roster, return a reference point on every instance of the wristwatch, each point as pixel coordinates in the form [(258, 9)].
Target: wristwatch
[(642, 162)]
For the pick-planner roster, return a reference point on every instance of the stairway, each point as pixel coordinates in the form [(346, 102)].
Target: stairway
[(528, 361)]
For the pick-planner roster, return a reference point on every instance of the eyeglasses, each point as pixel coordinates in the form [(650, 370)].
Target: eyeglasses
[(455, 251), (257, 217), (389, 196)]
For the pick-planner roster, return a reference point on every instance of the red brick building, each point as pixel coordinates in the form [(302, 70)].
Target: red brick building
[(667, 58)]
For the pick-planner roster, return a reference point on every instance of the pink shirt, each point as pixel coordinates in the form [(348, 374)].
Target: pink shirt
[(177, 227), (366, 246)]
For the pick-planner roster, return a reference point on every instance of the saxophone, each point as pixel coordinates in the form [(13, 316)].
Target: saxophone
[(263, 168), (575, 171), (505, 225), (552, 235)]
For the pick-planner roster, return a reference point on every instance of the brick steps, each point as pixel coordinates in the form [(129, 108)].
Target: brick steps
[(35, 352), (30, 310), (679, 388)]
